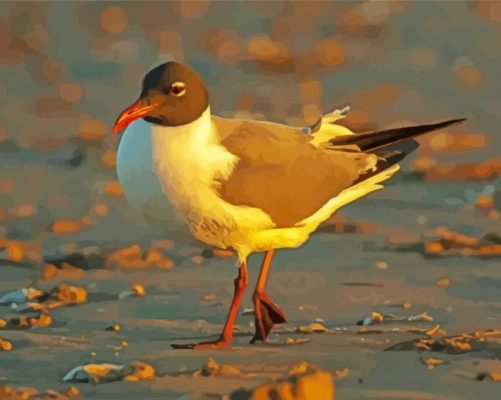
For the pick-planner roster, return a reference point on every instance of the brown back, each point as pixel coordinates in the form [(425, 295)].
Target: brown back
[(281, 173)]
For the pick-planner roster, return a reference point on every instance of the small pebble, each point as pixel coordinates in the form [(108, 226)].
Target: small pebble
[(138, 290), (443, 282), (208, 297), (114, 327), (198, 260)]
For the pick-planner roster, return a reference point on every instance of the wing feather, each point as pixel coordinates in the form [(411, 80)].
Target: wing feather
[(282, 173)]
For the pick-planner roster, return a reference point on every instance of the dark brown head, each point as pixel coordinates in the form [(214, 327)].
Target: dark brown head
[(172, 95)]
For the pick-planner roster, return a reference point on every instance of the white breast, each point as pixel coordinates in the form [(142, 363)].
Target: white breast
[(137, 177)]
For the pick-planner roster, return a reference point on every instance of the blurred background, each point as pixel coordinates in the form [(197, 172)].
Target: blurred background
[(68, 68)]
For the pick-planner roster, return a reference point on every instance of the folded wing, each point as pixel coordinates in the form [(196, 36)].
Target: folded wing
[(282, 173)]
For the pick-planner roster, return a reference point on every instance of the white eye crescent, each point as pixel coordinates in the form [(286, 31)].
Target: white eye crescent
[(178, 89)]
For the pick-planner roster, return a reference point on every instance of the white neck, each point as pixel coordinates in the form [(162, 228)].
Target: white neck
[(187, 159), (198, 131)]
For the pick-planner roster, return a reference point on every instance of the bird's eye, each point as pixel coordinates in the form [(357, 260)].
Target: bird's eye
[(178, 89)]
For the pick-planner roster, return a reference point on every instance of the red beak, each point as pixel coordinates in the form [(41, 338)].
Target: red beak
[(135, 111)]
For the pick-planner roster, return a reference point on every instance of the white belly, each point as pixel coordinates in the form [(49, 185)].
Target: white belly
[(137, 177)]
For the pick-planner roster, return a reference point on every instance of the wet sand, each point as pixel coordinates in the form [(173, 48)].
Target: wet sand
[(333, 278)]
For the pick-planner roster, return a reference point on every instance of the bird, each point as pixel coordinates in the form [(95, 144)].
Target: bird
[(246, 185)]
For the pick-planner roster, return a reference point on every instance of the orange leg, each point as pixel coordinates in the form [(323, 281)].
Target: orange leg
[(226, 336), (266, 312)]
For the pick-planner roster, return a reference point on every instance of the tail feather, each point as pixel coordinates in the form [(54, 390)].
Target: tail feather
[(381, 139), (385, 161)]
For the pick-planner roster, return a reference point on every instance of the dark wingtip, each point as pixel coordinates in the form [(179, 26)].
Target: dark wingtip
[(443, 124), (456, 121)]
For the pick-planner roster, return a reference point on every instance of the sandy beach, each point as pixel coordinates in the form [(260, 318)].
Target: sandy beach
[(397, 297)]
